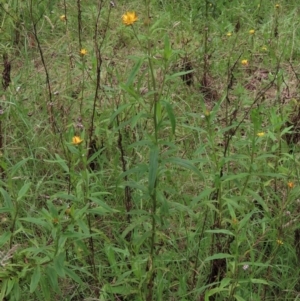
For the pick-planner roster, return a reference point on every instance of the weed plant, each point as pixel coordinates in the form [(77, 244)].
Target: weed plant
[(149, 150)]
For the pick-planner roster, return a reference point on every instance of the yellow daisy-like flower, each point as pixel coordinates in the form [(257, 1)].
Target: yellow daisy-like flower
[(291, 184), (277, 5), (279, 242), (83, 52), (244, 62), (260, 134), (63, 18), (207, 113), (129, 18), (252, 31), (76, 140), (264, 48), (229, 34)]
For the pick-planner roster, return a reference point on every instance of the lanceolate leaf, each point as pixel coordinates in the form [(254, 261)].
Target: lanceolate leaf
[(153, 167)]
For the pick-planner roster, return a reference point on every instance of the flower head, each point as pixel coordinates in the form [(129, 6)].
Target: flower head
[(234, 221), (229, 34), (207, 113), (279, 242), (63, 18), (264, 48), (244, 62), (129, 18), (76, 140), (252, 31), (245, 267), (277, 5), (260, 134), (291, 184), (83, 52)]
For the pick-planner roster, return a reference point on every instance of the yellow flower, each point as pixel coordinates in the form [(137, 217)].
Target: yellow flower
[(260, 134), (235, 221), (63, 18), (277, 5), (252, 31), (83, 52), (207, 113), (244, 62), (264, 48), (279, 242), (290, 184), (76, 140), (129, 18), (229, 34), (68, 211)]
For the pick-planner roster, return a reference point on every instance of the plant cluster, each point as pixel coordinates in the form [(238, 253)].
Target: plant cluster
[(149, 151)]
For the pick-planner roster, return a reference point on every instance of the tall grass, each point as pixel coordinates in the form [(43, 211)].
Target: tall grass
[(149, 159)]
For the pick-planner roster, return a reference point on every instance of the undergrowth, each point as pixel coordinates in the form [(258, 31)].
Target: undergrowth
[(149, 151)]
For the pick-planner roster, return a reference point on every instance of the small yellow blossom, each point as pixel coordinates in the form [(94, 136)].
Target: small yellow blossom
[(277, 5), (68, 211), (264, 48), (229, 34), (129, 18), (290, 184), (260, 134), (235, 221), (252, 31), (55, 221), (76, 140), (63, 18), (83, 52), (279, 242), (207, 113), (244, 62)]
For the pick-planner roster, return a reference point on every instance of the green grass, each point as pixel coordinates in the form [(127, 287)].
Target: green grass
[(185, 185)]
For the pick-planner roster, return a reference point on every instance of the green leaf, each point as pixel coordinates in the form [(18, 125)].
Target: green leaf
[(181, 208), (59, 161), (259, 281), (185, 164), (35, 279), (222, 231), (119, 111), (103, 205), (4, 238), (45, 288), (62, 163), (122, 290), (3, 288), (36, 221), (177, 74), (53, 279), (219, 256), (7, 198), (158, 112), (134, 72), (153, 167), (171, 116), (213, 292), (235, 177), (58, 263), (167, 48), (16, 167), (65, 196), (5, 210), (23, 191), (112, 259)]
